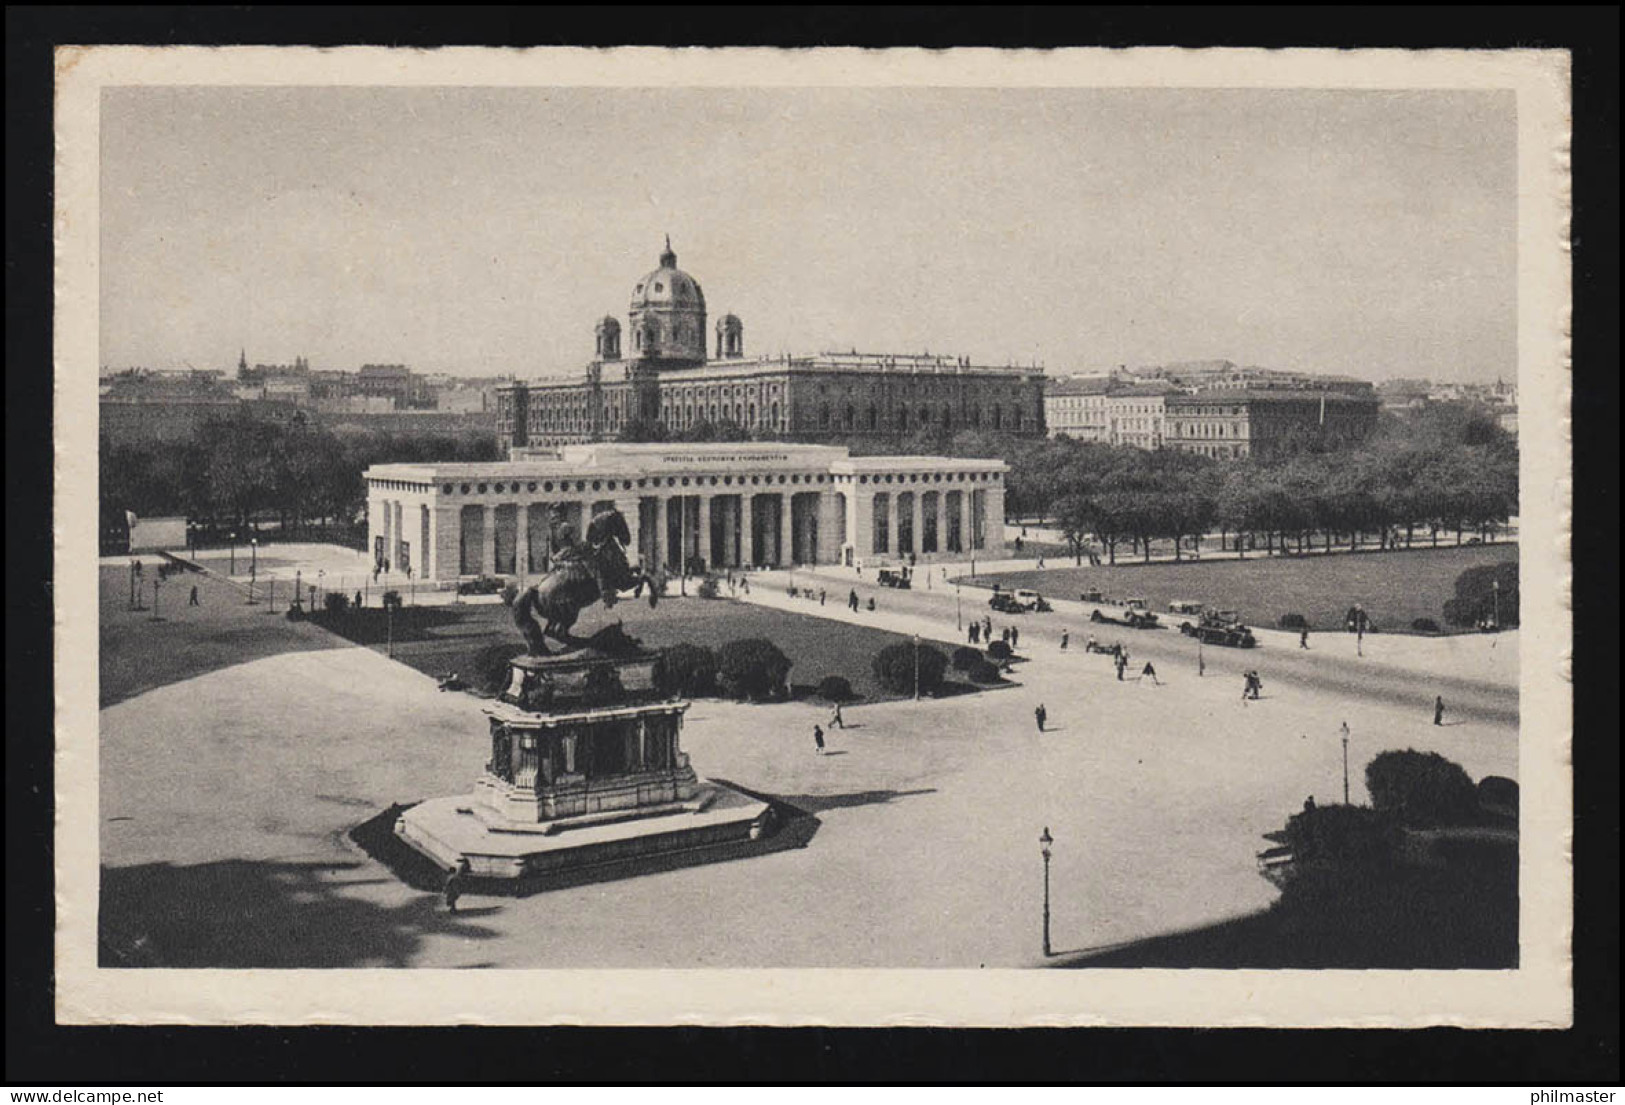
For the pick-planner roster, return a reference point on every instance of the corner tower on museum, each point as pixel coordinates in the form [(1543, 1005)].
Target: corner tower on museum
[(658, 371)]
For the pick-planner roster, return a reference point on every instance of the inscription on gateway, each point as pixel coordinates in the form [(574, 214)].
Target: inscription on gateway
[(683, 458)]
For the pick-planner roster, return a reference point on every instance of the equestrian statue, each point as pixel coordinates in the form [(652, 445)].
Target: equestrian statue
[(583, 572)]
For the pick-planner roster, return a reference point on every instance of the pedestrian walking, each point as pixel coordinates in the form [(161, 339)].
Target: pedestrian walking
[(1438, 709), (1015, 637), (744, 584), (454, 885), (852, 599), (1303, 638), (1041, 715), (987, 628), (1122, 665), (1152, 672), (975, 633), (358, 602), (1064, 637), (821, 596), (1004, 634), (871, 602), (818, 740), (836, 721), (193, 600), (1040, 563)]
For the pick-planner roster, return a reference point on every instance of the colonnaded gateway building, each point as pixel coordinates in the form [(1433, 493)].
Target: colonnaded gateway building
[(664, 376), (755, 504)]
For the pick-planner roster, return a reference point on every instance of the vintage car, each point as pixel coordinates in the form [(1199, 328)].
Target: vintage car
[(1187, 607), (1091, 596), (1019, 602), (1221, 627), (1135, 615), (889, 578)]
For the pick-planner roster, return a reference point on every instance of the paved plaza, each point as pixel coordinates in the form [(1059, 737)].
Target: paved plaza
[(227, 795)]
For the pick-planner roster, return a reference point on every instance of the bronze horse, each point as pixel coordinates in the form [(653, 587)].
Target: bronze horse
[(595, 568)]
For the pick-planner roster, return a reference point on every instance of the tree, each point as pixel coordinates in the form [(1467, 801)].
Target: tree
[(1421, 789)]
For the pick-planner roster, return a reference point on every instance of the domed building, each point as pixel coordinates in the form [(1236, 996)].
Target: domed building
[(661, 374)]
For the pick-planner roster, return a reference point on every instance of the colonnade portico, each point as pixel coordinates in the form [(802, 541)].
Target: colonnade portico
[(740, 505)]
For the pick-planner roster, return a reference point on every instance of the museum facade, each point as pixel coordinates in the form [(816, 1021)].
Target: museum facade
[(664, 376), (706, 506)]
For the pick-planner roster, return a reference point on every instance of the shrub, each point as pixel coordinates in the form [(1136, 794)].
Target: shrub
[(835, 688), (709, 588), (752, 668), (999, 650), (983, 671), (1497, 790), (510, 591), (491, 667), (1293, 621), (335, 603), (965, 657), (392, 600), (894, 667), (687, 669), (1475, 599), (1425, 625), (1421, 788), (296, 613)]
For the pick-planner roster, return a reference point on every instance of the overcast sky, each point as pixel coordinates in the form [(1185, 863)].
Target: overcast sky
[(483, 232)]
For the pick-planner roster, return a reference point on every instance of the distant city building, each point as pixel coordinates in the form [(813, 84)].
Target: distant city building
[(1229, 376), (1076, 407), (141, 405), (1229, 424), (665, 376)]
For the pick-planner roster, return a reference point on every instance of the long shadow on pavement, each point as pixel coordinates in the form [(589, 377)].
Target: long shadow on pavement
[(267, 914)]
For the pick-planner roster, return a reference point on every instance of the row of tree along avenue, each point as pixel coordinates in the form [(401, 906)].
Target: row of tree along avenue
[(1416, 481), (242, 469)]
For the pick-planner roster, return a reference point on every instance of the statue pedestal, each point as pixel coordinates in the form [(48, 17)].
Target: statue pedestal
[(586, 768)]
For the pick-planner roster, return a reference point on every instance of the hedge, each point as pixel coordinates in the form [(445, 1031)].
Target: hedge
[(687, 669), (835, 688), (336, 602), (983, 671), (965, 657), (1293, 621), (1425, 625), (895, 667), (753, 668), (1421, 788), (1000, 650)]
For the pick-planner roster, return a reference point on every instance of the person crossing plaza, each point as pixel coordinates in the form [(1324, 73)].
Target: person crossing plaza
[(836, 721), (1064, 638), (1041, 715), (1015, 637), (1303, 638), (1148, 670), (193, 601), (852, 599), (818, 740), (454, 885), (975, 633), (1438, 709)]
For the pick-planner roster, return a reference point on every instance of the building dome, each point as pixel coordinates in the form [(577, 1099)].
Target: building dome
[(668, 317), (668, 286)]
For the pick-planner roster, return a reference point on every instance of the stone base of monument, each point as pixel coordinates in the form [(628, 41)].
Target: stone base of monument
[(586, 769), (449, 830)]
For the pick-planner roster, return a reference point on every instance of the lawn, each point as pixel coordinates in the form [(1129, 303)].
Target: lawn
[(1395, 588), (440, 639)]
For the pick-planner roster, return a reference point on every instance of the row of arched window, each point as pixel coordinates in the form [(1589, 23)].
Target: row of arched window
[(902, 419)]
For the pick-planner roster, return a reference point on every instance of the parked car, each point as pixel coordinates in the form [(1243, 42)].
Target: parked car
[(1032, 601), (1091, 596), (1187, 607), (1135, 617), (889, 578), (1005, 603), (1220, 628)]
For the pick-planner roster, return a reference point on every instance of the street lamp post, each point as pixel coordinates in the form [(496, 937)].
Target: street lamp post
[(389, 623), (916, 667), (1044, 843), (253, 569), (959, 617), (233, 552), (156, 582), (298, 586), (1495, 587), (1345, 763)]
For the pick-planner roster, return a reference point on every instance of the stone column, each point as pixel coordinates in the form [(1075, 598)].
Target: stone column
[(892, 544), (521, 541), (917, 523), (787, 550), (941, 513), (967, 539), (661, 523), (488, 554), (400, 534), (705, 530)]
